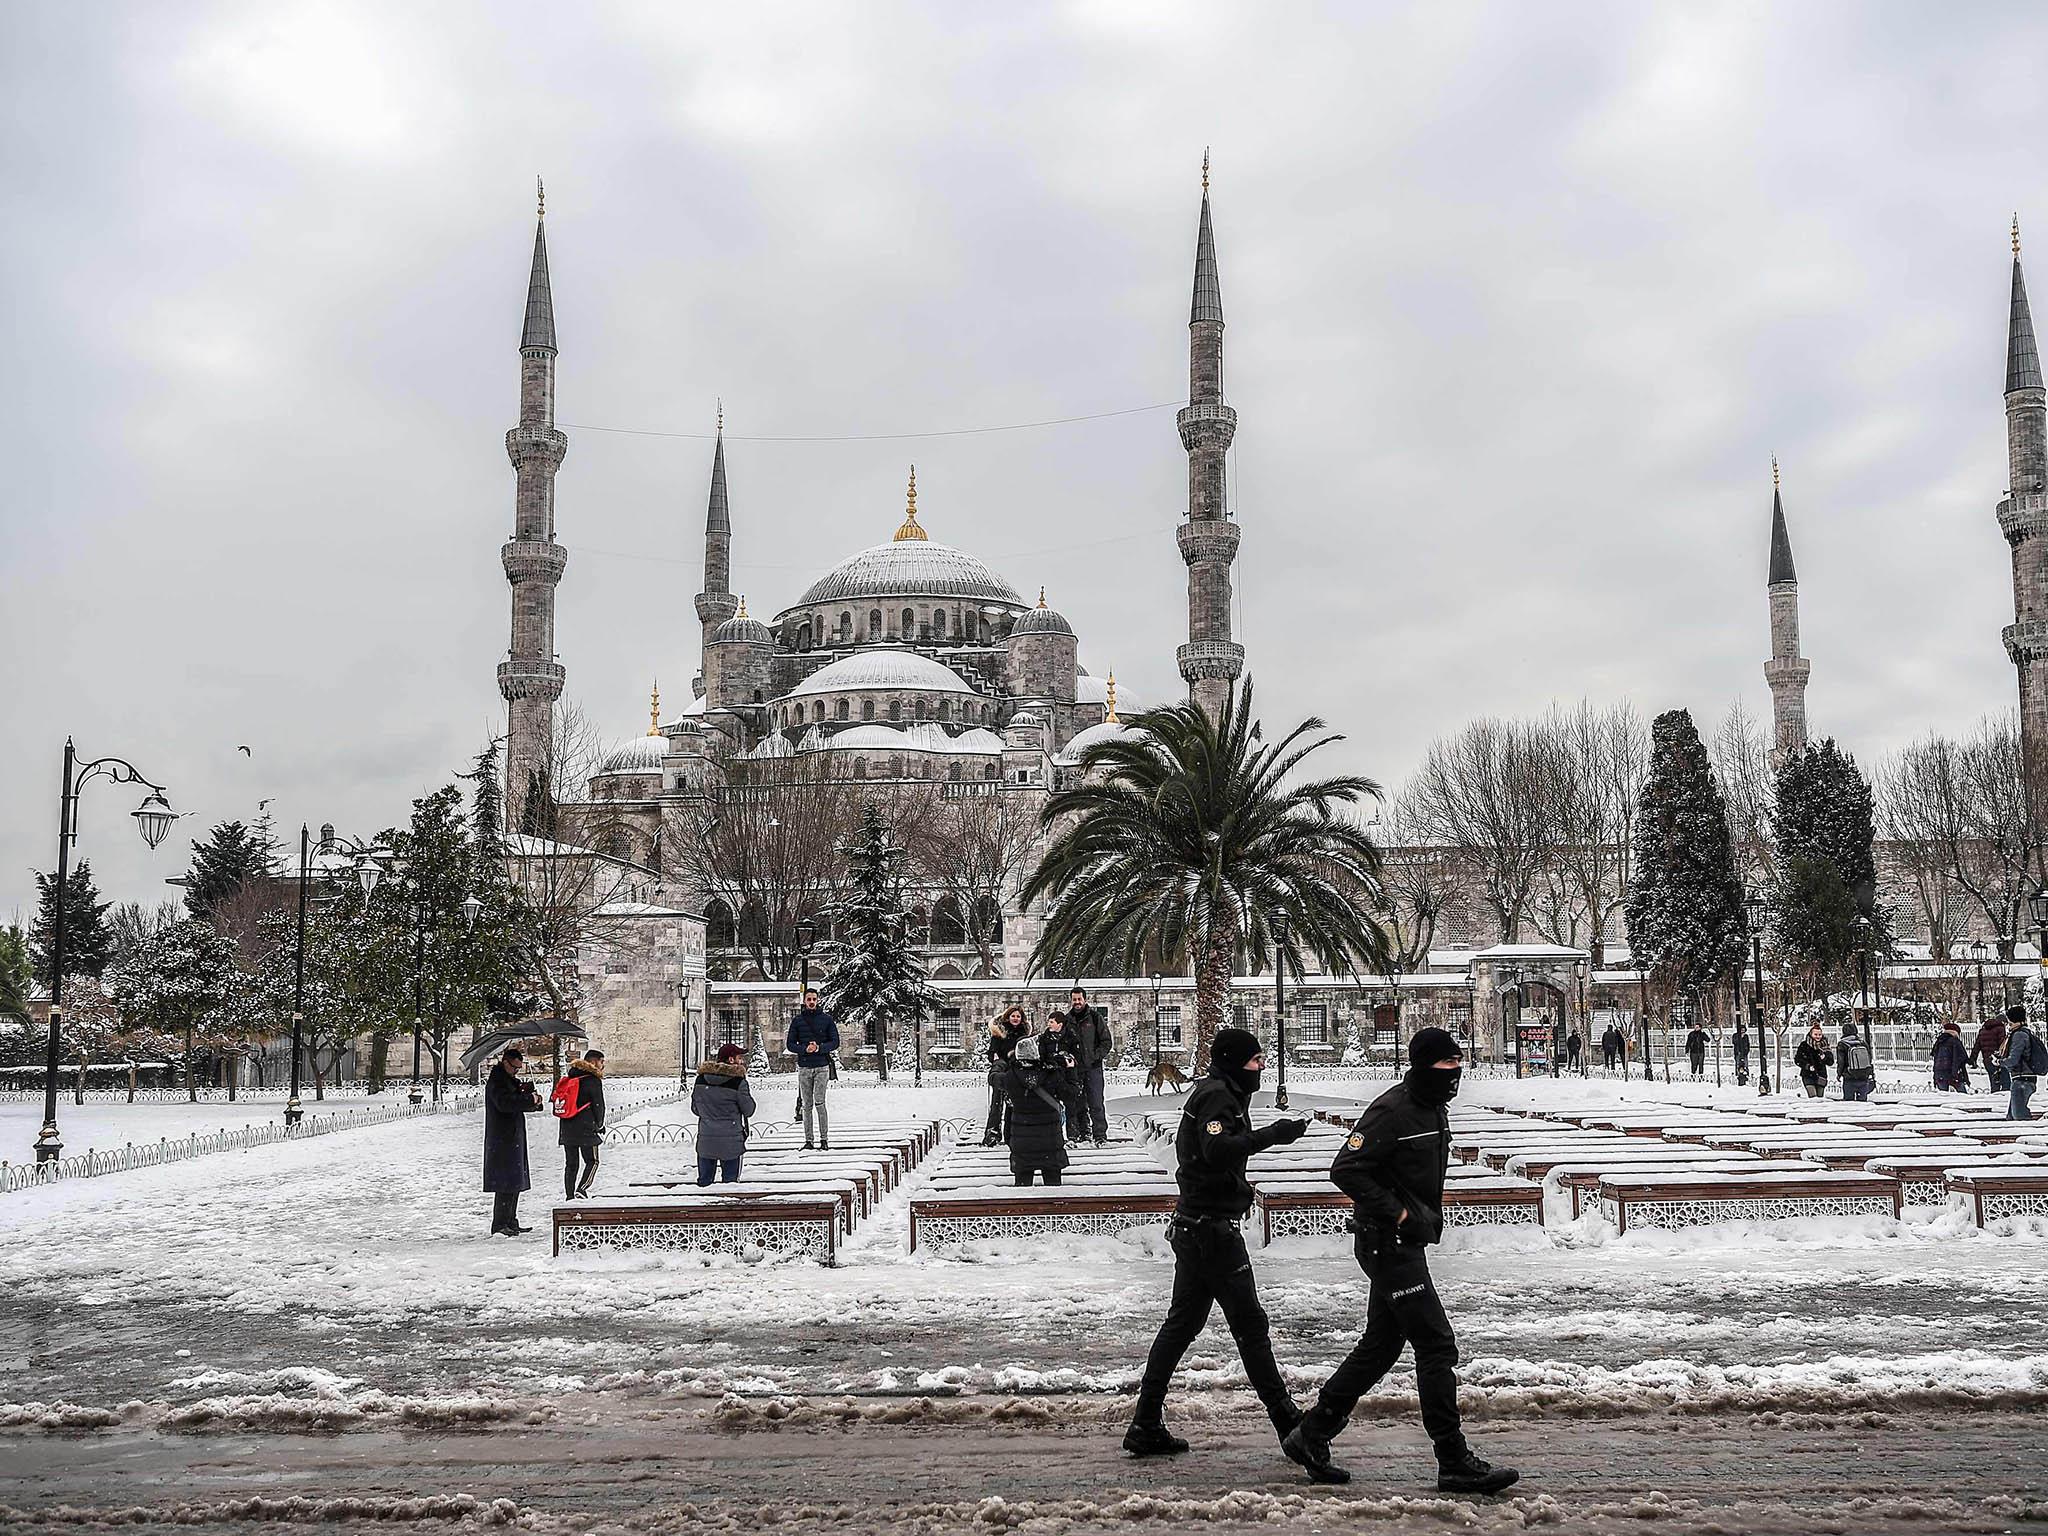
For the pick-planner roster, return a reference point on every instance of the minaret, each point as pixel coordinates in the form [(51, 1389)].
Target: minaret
[(716, 604), (1208, 539), (2023, 517), (1787, 670), (530, 678)]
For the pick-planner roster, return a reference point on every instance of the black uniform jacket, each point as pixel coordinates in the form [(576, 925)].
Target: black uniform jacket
[(1211, 1146), (1394, 1160)]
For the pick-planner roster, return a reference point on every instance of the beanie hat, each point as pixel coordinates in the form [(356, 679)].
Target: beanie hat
[(1234, 1047), (1027, 1050), (2016, 1014), (1429, 1046)]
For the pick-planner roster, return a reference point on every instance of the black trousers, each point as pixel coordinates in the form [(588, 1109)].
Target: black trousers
[(1403, 1309), (1021, 1173), (1212, 1268), (572, 1157), (505, 1210)]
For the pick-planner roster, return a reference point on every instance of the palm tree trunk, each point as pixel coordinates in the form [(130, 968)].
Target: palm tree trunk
[(1212, 987)]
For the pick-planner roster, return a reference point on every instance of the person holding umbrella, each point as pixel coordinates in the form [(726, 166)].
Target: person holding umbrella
[(508, 1100)]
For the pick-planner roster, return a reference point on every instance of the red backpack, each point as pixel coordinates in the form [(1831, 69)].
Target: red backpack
[(567, 1099)]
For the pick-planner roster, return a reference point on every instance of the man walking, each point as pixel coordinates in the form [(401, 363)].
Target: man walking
[(1093, 1046), (2026, 1058), (1392, 1167), (813, 1037), (1989, 1047), (1210, 1264), (1858, 1066)]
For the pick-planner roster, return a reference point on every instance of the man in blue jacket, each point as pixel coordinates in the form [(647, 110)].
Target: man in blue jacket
[(813, 1037)]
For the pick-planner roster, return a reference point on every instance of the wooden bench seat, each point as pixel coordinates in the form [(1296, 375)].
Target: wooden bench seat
[(949, 1218), (852, 1190), (776, 1225), (1670, 1199), (1999, 1190), (1536, 1163), (1923, 1176), (1308, 1208), (1580, 1182)]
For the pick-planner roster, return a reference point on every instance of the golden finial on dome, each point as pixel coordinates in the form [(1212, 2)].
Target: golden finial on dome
[(654, 710), (1109, 690), (910, 530), (1774, 472), (2015, 235), (1041, 597), (743, 607)]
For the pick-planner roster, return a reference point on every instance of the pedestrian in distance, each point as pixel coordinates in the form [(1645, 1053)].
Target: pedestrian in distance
[(1855, 1059), (1003, 1036), (1951, 1059), (1392, 1166), (1612, 1047), (508, 1100), (1211, 1266), (1741, 1049), (1058, 1054), (1989, 1048), (1573, 1045), (724, 1106), (1815, 1058), (1034, 1118), (1696, 1051), (1095, 1044), (813, 1037), (578, 1104), (2026, 1059)]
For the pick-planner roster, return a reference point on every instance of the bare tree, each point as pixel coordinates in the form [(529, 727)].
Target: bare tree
[(971, 850), (1741, 756), (1593, 762), (1486, 793), (1421, 885)]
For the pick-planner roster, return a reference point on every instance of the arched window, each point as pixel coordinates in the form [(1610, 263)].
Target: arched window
[(818, 710), (803, 637), (909, 624), (895, 766), (867, 709), (718, 925), (844, 706), (860, 767), (953, 772), (948, 929), (938, 623), (845, 628), (875, 624), (895, 709), (945, 709), (993, 771)]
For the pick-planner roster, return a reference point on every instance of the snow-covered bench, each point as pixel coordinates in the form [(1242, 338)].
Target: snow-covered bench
[(1995, 1191), (1580, 1182), (777, 1225), (1696, 1199), (852, 1188), (948, 1218), (1923, 1176), (1305, 1208)]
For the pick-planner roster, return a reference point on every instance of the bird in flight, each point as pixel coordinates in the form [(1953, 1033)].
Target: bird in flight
[(245, 752)]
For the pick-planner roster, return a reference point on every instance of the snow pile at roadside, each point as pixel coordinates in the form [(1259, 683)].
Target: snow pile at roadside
[(307, 1398)]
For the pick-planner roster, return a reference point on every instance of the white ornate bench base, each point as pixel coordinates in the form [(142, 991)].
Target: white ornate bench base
[(1705, 1212)]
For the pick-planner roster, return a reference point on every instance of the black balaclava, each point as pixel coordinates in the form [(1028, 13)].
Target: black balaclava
[(1229, 1052), (1426, 1080)]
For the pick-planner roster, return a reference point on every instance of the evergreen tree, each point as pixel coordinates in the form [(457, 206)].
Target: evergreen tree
[(15, 976), (1825, 831), (873, 973), (230, 858), (180, 981), (486, 802), (88, 944), (1685, 911)]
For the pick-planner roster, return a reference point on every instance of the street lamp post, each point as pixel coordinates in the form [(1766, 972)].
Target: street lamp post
[(1158, 1029), (1280, 927), (153, 819), (1582, 971), (1643, 1018), (367, 874), (1755, 905)]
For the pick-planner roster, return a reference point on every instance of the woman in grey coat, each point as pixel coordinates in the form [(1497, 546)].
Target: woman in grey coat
[(723, 1104)]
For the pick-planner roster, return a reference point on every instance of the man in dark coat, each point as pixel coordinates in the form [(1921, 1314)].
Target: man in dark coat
[(1696, 1051), (1741, 1053), (1392, 1167), (1210, 1264), (1035, 1118), (1059, 1055), (508, 1100), (1855, 1060), (1094, 1044), (1951, 1074), (813, 1037), (582, 1132), (1989, 1047)]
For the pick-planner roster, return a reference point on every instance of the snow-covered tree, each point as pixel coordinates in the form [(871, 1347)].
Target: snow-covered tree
[(177, 982), (873, 972), (231, 857), (87, 943), (1824, 830), (15, 977), (1685, 911)]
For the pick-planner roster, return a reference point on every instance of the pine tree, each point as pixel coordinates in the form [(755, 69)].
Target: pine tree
[(88, 944), (15, 975), (873, 973), (230, 858), (487, 802), (1825, 831), (1685, 912), (539, 818)]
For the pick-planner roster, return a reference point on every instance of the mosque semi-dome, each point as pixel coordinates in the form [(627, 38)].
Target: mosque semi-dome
[(882, 669)]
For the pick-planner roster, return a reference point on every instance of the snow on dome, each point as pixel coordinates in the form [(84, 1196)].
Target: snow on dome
[(1041, 620), (910, 568), (771, 746), (1108, 730), (1095, 690), (881, 669), (921, 737), (743, 629), (643, 754)]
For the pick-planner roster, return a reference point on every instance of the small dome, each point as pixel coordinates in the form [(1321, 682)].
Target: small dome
[(1095, 735), (740, 628), (1041, 620), (643, 754), (881, 669), (1095, 690)]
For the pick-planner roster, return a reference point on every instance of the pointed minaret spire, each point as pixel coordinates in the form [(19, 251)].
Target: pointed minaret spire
[(2023, 518), (1211, 660), (2022, 358), (1786, 671), (715, 603), (540, 299)]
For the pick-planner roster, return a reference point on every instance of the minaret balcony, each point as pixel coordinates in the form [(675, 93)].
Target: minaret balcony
[(543, 445), (528, 677), (1206, 423), (716, 607), (2023, 515), (532, 560), (1787, 671), (2026, 641), (1208, 542), (1204, 659)]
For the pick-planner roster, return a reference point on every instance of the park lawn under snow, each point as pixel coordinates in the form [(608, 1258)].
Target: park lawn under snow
[(355, 1272)]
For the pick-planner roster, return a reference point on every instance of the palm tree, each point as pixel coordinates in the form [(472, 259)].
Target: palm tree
[(1185, 838)]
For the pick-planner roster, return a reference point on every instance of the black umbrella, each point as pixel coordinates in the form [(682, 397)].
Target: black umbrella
[(496, 1038)]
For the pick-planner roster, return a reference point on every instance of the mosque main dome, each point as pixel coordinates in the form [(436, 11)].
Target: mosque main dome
[(910, 568)]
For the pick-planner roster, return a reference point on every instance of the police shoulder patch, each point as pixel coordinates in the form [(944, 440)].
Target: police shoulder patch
[(1215, 1127), (1354, 1141)]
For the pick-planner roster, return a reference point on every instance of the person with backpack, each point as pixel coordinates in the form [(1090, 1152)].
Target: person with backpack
[(2026, 1058), (813, 1037), (1035, 1122), (1813, 1059), (508, 1100), (1951, 1058), (1858, 1066), (723, 1105), (578, 1105)]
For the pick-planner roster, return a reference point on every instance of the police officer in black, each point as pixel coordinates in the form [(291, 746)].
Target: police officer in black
[(1210, 1264), (1392, 1167)]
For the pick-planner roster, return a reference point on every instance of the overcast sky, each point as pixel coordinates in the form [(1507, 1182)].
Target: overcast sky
[(1520, 298)]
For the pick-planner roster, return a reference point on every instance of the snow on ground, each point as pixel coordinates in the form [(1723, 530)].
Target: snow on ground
[(351, 1280)]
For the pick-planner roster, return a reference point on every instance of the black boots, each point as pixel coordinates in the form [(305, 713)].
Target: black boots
[(1468, 1474), (1152, 1439), (1311, 1452)]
